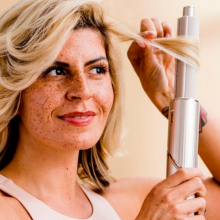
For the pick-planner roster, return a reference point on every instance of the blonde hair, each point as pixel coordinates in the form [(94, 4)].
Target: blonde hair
[(32, 34)]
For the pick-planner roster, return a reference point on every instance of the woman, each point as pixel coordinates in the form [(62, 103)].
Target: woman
[(61, 114)]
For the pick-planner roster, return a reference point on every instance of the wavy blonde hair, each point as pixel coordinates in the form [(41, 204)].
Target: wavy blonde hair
[(32, 34)]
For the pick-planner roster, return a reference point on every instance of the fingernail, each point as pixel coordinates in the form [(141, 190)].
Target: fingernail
[(204, 175), (149, 33), (167, 35), (141, 43)]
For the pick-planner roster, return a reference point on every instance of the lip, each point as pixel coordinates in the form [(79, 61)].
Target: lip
[(78, 118)]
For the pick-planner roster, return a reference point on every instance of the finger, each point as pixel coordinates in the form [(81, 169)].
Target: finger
[(158, 27), (190, 206), (167, 29), (188, 189), (192, 187), (148, 29), (183, 175)]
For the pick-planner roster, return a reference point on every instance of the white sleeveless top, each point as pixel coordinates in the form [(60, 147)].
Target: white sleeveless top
[(102, 210)]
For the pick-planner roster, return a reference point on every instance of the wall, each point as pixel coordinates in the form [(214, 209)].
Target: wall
[(147, 139)]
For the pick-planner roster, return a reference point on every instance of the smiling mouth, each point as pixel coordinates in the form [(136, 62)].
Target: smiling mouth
[(79, 118)]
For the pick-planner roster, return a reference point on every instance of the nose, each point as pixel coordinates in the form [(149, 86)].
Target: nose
[(79, 88)]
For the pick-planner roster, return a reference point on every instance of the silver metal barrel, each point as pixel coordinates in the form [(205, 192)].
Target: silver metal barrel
[(183, 134)]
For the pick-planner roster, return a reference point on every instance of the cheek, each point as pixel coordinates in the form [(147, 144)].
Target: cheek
[(105, 96), (37, 102)]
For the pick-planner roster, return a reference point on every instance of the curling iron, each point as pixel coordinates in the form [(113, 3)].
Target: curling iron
[(184, 109)]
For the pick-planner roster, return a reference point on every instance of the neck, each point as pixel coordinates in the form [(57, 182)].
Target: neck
[(43, 170)]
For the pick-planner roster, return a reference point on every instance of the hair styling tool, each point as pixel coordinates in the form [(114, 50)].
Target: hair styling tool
[(184, 109)]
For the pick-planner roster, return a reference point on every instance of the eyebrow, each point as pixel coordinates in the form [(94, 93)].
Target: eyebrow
[(95, 60), (59, 63)]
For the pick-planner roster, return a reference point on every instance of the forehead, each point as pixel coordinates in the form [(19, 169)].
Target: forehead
[(83, 43)]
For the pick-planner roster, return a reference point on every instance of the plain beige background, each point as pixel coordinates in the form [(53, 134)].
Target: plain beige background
[(146, 142)]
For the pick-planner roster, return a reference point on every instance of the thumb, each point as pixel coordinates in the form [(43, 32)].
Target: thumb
[(148, 54), (140, 54), (148, 58)]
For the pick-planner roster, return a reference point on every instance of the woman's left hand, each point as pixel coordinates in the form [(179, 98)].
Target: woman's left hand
[(154, 68)]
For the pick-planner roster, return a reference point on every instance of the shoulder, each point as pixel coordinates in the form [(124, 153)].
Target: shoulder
[(212, 199), (6, 210), (127, 195), (11, 209)]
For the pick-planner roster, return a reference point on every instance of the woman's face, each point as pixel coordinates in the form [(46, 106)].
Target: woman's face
[(68, 106)]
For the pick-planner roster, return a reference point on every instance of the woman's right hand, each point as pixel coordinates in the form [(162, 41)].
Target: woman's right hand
[(168, 199)]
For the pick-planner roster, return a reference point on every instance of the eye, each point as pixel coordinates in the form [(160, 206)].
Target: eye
[(55, 71), (98, 70)]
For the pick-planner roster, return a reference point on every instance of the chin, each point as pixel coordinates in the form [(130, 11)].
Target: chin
[(80, 142)]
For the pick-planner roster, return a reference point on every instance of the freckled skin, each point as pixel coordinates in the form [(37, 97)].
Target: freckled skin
[(79, 91)]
